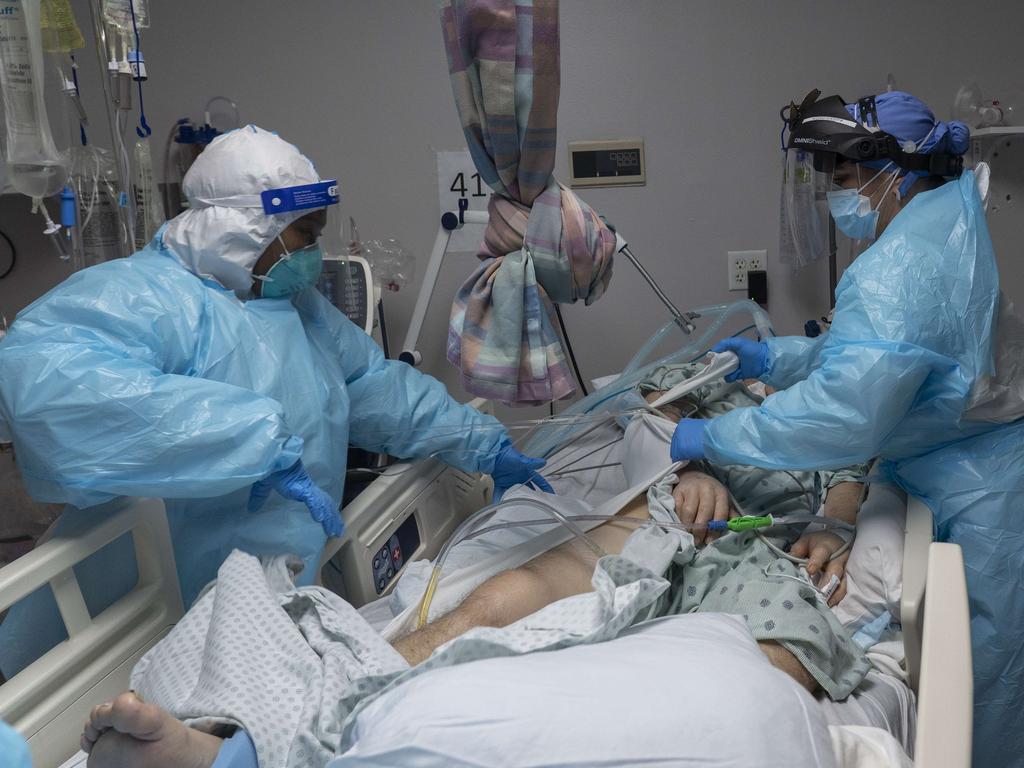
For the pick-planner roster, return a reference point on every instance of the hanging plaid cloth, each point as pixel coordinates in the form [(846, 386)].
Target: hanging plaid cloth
[(543, 244)]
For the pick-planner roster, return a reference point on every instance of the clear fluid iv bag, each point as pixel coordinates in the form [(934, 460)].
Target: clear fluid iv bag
[(148, 207), (34, 166), (119, 13)]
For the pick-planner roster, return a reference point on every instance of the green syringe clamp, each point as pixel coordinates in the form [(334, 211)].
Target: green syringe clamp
[(750, 522)]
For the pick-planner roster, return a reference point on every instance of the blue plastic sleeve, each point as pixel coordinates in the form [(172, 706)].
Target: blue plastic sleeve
[(237, 752)]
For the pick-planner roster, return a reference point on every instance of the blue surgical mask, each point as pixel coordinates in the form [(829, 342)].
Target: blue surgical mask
[(293, 272), (853, 212)]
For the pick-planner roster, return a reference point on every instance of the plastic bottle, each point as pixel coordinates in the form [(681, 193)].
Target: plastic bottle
[(972, 107)]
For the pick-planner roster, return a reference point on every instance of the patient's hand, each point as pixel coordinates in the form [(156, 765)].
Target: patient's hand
[(700, 498), (818, 547)]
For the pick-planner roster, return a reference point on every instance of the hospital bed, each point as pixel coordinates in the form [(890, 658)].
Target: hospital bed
[(415, 505)]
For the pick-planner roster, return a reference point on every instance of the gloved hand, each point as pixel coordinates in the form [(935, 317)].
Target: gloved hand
[(512, 468), (753, 357), (295, 483), (688, 440)]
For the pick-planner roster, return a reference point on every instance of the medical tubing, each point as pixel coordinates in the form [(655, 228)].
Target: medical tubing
[(638, 521), (544, 444), (100, 34), (568, 348), (797, 518), (482, 516), (736, 524), (724, 312), (143, 131)]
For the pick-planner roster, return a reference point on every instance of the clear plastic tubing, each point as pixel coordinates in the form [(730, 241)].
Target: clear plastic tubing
[(465, 532), (544, 441)]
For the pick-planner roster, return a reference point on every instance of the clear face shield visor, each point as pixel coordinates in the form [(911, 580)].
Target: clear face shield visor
[(804, 216), (812, 192)]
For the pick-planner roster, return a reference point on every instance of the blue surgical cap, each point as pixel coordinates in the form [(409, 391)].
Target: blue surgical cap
[(911, 121)]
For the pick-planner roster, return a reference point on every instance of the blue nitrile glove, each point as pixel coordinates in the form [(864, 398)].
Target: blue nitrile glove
[(753, 357), (512, 468), (295, 483), (688, 440)]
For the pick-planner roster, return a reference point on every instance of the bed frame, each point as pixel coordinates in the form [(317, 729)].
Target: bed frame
[(50, 699)]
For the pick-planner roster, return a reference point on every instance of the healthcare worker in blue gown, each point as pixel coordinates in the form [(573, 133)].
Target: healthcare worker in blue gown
[(208, 370), (922, 368)]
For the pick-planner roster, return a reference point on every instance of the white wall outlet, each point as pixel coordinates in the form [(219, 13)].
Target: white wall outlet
[(741, 262)]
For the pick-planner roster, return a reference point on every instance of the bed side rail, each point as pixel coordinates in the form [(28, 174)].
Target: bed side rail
[(50, 699), (946, 695), (916, 544)]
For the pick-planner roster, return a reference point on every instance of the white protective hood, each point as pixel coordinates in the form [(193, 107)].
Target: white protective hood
[(225, 230)]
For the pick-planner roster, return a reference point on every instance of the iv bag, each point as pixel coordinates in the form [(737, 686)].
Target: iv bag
[(94, 179), (35, 168), (119, 13), (148, 209), (60, 30)]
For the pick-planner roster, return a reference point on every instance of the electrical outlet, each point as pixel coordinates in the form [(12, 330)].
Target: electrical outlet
[(741, 262)]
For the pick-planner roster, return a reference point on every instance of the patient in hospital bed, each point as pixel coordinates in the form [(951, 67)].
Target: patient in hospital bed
[(730, 578), (738, 574)]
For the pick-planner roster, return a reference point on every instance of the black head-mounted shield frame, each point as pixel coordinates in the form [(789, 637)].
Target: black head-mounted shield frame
[(824, 128)]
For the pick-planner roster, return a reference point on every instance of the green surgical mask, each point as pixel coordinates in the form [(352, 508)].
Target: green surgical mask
[(293, 272)]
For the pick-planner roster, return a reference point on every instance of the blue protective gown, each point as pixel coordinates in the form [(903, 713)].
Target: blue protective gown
[(135, 377), (913, 332)]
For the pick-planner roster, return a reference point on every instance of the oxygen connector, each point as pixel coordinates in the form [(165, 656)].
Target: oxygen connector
[(742, 523)]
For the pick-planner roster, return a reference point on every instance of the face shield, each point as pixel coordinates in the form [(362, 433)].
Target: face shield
[(842, 166)]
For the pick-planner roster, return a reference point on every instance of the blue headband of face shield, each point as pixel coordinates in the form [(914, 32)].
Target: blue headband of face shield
[(300, 198)]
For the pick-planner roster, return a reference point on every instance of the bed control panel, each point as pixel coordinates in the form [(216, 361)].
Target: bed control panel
[(390, 557)]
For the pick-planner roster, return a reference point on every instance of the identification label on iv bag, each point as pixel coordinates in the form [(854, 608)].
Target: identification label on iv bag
[(457, 178)]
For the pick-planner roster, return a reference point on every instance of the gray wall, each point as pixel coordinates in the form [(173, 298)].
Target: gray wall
[(361, 86)]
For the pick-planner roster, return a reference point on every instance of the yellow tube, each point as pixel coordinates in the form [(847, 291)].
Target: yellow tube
[(428, 596)]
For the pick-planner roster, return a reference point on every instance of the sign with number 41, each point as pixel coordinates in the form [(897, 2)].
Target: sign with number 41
[(457, 179)]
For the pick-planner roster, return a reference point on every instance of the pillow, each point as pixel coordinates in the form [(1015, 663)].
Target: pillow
[(684, 690), (874, 573)]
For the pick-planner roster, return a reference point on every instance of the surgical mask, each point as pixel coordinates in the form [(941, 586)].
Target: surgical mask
[(852, 210), (293, 272)]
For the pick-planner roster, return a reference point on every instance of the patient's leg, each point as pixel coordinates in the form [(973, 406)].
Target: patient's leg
[(561, 572), (128, 733)]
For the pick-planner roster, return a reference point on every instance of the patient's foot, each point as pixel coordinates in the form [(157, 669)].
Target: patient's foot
[(128, 733)]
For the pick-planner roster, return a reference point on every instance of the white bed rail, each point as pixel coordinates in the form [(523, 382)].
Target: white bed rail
[(50, 699), (937, 640)]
